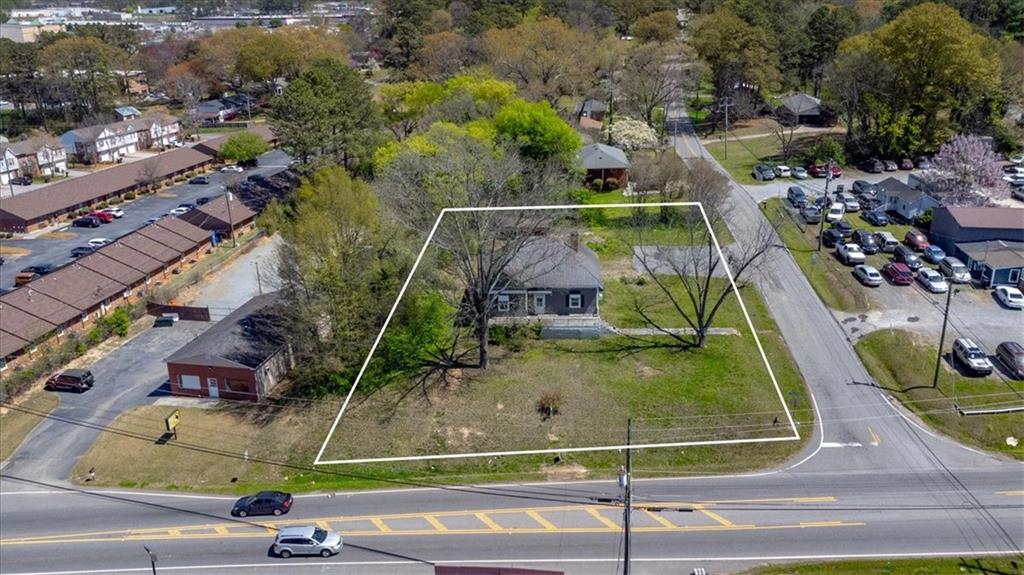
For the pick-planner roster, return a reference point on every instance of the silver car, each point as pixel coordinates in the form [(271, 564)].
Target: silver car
[(306, 540), (867, 275)]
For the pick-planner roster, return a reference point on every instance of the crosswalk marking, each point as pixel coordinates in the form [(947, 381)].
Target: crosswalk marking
[(543, 522)]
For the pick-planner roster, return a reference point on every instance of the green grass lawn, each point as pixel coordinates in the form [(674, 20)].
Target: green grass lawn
[(903, 364), (743, 154), (618, 306), (959, 566), (15, 425), (833, 281)]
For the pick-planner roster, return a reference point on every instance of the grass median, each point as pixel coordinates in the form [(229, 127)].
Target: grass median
[(903, 364), (961, 566), (16, 424)]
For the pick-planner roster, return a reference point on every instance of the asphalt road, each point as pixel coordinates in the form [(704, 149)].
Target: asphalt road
[(871, 482), (58, 251)]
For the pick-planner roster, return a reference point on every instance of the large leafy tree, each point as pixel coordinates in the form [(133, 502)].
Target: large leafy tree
[(537, 131), (825, 29), (660, 26), (736, 52), (244, 147), (82, 69)]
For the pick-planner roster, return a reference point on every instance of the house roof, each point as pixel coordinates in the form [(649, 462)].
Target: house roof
[(992, 218), (891, 187), (20, 323), (59, 197), (591, 105), (801, 104), (603, 157), (151, 248), (550, 263), (179, 227), (997, 254), (127, 111), (130, 257), (10, 343), (213, 215), (111, 268), (157, 233), (246, 337), (34, 144), (78, 286), (44, 307)]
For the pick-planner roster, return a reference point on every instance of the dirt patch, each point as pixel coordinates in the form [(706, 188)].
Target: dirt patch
[(57, 236), (564, 472), (649, 372), (13, 251)]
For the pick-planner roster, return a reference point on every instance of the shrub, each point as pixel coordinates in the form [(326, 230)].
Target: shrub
[(597, 184), (549, 404), (94, 336), (823, 150), (130, 196), (117, 323), (611, 184), (115, 200)]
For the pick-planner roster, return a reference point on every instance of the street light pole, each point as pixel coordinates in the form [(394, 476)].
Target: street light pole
[(942, 336), (626, 481), (726, 103), (825, 206)]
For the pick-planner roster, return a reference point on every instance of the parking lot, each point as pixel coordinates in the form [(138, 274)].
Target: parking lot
[(55, 247)]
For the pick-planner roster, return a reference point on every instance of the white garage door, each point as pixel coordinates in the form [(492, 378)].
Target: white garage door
[(189, 381)]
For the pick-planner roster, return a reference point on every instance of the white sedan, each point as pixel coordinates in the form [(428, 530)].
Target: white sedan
[(932, 280), (116, 212), (1018, 159), (232, 168), (179, 211), (850, 254), (783, 171), (1010, 297), (99, 242), (868, 275)]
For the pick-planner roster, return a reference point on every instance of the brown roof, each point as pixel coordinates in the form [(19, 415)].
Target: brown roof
[(183, 229), (153, 249), (1000, 218), (78, 286), (131, 257), (34, 144), (168, 238), (23, 324), (214, 214), (58, 198), (213, 145), (40, 305), (10, 343), (111, 268)]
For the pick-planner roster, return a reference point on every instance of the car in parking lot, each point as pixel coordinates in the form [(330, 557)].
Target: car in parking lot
[(1014, 170), (118, 213), (932, 280), (850, 254), (904, 254), (923, 163), (898, 273), (835, 212), (954, 270), (843, 227), (232, 168), (187, 205), (1014, 179), (21, 181), (866, 241), (179, 211), (102, 216), (202, 201), (933, 254), (906, 164), (99, 242), (1011, 354), (783, 171), (799, 173), (916, 240), (1010, 297), (25, 277), (974, 360), (872, 166), (199, 181), (763, 173), (796, 196), (875, 217), (890, 165), (152, 220), (86, 222), (831, 237), (306, 540), (811, 214), (77, 380), (864, 188), (41, 269), (821, 170), (850, 203), (867, 275), (263, 503), (80, 251), (886, 241)]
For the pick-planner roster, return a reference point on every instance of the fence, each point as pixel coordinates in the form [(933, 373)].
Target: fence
[(185, 312)]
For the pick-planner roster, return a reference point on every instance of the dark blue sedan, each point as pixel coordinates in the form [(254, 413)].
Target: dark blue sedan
[(875, 217)]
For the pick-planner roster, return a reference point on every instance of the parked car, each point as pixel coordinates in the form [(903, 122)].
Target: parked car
[(898, 273), (77, 380), (783, 171), (179, 211), (799, 173), (971, 357), (1014, 170), (796, 196), (99, 242), (118, 213), (867, 275), (102, 216), (187, 205), (906, 164), (1014, 179), (202, 201), (309, 540), (200, 180), (1017, 193), (863, 188), (232, 168), (21, 181), (25, 277), (1011, 354), (257, 178), (843, 227), (835, 212), (933, 254), (1010, 297), (886, 242), (763, 173), (86, 222), (152, 220), (850, 203), (821, 170), (831, 237), (872, 166), (866, 241), (916, 239), (875, 217), (907, 256), (263, 503), (850, 254), (80, 251), (932, 280), (811, 214), (890, 166), (923, 163), (954, 270), (41, 269)]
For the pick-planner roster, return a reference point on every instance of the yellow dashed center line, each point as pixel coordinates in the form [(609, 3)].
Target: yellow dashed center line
[(435, 523), (380, 525), (323, 525), (540, 520), (1011, 493), (271, 528), (221, 530), (596, 514), (486, 520), (174, 532)]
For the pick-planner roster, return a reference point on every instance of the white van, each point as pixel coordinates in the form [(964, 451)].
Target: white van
[(835, 212), (954, 270), (886, 242)]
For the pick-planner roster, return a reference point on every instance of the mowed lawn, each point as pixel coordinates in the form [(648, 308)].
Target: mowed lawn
[(903, 364), (741, 155), (832, 280), (958, 566), (18, 421)]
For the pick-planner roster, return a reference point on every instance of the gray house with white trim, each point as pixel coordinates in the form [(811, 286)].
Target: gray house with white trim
[(550, 276)]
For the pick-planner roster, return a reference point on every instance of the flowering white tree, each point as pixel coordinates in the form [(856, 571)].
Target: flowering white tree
[(630, 134), (967, 172)]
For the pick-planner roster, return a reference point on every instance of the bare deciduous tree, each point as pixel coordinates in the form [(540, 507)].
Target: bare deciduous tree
[(783, 127), (647, 81), (148, 174)]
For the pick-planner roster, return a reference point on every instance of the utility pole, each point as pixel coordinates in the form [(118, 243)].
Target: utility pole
[(231, 221), (942, 336), (626, 482), (152, 558), (826, 205), (259, 286), (726, 102)]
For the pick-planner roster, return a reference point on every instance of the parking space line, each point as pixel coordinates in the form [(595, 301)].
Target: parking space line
[(657, 517), (435, 523), (380, 525), (543, 522), (600, 517), (490, 523)]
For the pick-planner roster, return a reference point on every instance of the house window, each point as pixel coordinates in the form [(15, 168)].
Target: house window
[(575, 301), (3, 363), (503, 303), (189, 381)]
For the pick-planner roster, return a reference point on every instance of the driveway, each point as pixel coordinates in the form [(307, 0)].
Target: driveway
[(133, 374), (56, 248)]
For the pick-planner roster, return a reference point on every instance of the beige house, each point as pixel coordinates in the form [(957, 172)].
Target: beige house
[(41, 156)]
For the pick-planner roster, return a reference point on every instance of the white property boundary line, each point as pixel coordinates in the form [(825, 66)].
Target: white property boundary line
[(412, 272)]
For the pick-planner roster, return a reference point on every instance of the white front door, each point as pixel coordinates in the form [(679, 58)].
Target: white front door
[(214, 390), (539, 303)]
